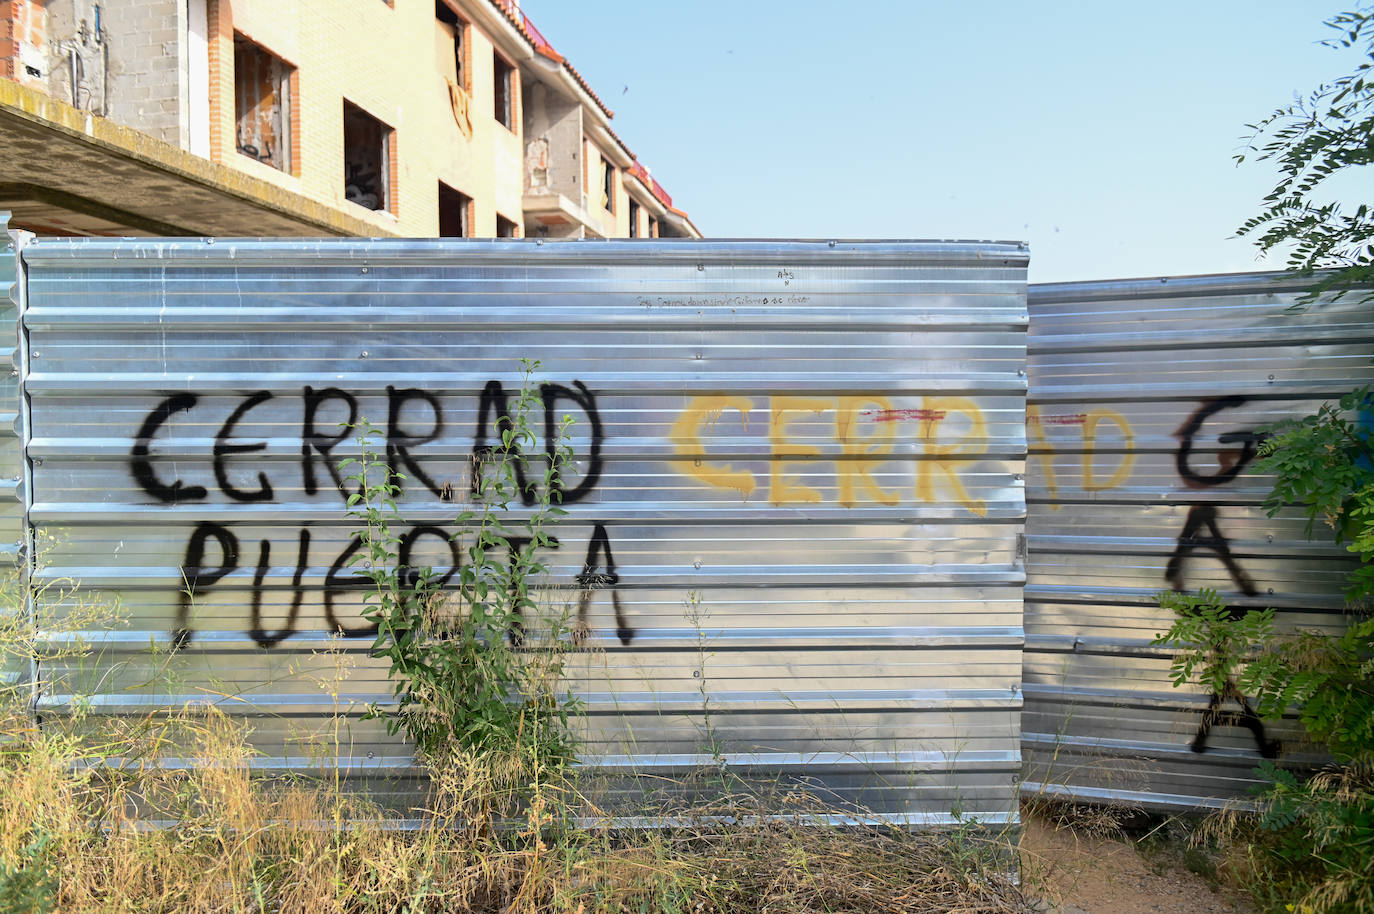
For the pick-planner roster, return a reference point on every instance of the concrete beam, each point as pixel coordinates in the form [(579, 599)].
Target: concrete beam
[(130, 183)]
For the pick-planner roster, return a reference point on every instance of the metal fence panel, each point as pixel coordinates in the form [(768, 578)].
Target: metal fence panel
[(16, 669), (1144, 401), (804, 460)]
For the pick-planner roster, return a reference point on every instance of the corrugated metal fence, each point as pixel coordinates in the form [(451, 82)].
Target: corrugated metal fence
[(16, 669), (1144, 403), (797, 522), (799, 488)]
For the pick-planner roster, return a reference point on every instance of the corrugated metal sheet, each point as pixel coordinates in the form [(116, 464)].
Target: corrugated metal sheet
[(1144, 399), (15, 668), (805, 458)]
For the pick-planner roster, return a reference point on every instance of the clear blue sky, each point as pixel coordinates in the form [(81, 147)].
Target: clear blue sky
[(1100, 132)]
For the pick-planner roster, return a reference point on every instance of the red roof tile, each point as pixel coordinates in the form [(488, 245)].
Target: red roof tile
[(541, 44)]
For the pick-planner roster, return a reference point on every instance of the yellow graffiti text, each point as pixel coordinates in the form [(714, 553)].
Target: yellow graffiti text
[(851, 468), (864, 432), (972, 444), (783, 491), (702, 414)]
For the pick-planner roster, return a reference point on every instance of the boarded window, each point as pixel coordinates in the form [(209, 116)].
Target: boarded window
[(262, 104), (454, 213), (366, 159), (451, 51), (504, 77)]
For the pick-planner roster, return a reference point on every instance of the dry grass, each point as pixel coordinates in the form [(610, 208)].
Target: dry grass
[(96, 824), (1098, 820), (102, 814), (1308, 846)]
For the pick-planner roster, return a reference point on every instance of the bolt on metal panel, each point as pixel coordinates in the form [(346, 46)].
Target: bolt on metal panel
[(1146, 397), (798, 477)]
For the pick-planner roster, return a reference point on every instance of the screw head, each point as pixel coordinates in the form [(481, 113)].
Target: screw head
[(364, 269), (696, 564), (363, 354)]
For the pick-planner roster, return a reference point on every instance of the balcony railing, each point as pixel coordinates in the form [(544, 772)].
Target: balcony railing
[(541, 44)]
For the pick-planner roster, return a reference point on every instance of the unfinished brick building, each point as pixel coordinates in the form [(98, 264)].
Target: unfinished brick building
[(409, 117)]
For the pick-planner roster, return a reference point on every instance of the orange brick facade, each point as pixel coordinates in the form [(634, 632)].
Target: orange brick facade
[(23, 36)]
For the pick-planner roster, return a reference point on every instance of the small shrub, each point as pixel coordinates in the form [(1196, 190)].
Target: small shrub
[(29, 886), (1311, 845), (1323, 462), (1210, 640), (475, 660)]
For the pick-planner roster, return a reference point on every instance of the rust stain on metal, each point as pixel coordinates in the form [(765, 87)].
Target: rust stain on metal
[(899, 415), (1067, 419)]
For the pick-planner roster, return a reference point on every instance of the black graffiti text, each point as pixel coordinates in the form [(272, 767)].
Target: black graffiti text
[(213, 553), (329, 416), (1202, 533)]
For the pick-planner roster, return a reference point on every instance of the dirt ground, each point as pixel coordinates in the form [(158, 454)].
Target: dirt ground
[(1074, 872)]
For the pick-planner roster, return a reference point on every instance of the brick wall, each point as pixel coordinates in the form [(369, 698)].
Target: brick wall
[(131, 65), (220, 47), (23, 36), (385, 60)]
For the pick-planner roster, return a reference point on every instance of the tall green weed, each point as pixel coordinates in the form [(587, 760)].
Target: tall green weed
[(1311, 846)]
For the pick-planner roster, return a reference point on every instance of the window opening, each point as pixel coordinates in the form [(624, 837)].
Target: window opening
[(444, 14), (653, 227), (453, 213), (504, 77), (505, 228), (262, 105), (607, 185), (367, 166), (634, 219)]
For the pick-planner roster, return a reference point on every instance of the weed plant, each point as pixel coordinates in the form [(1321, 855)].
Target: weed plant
[(475, 657), (1310, 847), (468, 668)]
